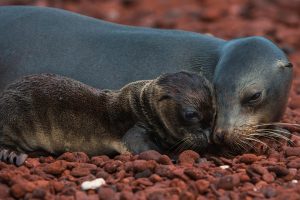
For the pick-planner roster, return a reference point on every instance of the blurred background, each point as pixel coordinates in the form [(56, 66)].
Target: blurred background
[(278, 20)]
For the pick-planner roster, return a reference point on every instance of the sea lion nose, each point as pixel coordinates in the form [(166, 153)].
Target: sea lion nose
[(219, 135)]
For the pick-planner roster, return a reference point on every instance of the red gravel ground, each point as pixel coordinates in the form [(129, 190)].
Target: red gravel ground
[(274, 175)]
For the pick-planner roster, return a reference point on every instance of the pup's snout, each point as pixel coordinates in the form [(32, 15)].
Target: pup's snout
[(219, 136)]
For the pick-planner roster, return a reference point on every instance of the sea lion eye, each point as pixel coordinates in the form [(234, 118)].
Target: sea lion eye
[(255, 98), (191, 115)]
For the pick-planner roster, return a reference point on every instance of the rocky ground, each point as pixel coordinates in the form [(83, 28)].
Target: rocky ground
[(274, 175)]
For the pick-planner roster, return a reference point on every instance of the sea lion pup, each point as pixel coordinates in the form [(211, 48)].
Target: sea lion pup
[(52, 114)]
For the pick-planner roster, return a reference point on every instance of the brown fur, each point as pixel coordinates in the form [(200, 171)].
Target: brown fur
[(52, 114)]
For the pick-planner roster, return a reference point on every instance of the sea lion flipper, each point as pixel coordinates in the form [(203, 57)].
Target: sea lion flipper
[(12, 157), (137, 139), (21, 159)]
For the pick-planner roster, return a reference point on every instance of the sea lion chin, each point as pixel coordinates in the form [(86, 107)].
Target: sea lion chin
[(50, 114)]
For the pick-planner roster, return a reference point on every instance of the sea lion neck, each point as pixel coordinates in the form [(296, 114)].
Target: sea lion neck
[(125, 106)]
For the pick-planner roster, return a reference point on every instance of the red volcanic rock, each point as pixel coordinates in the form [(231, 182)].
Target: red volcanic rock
[(81, 195), (30, 163), (165, 170), (18, 190), (188, 158), (106, 193), (112, 166), (99, 160), (228, 182), (74, 157), (202, 186), (269, 178), (194, 173), (4, 191), (124, 157), (248, 158), (39, 193), (155, 178), (259, 169), (279, 170), (126, 195), (141, 165), (165, 160), (292, 151), (48, 159), (58, 186), (80, 171), (101, 173), (56, 168), (294, 163), (244, 177), (149, 155)]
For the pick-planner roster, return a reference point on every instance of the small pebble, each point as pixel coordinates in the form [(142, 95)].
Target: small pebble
[(92, 185), (224, 166)]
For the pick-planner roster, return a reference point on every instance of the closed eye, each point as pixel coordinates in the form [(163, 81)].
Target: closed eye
[(253, 98)]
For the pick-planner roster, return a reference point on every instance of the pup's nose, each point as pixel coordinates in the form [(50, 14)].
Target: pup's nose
[(219, 136)]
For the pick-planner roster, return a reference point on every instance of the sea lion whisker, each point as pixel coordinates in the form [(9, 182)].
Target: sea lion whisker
[(276, 130), (278, 124), (257, 140), (263, 135), (246, 143), (241, 146), (250, 146), (238, 147), (239, 143), (276, 135)]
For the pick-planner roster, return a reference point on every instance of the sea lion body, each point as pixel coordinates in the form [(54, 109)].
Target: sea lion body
[(101, 54), (51, 114), (106, 55)]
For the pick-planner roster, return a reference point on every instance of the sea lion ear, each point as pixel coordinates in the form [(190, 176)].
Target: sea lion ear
[(289, 65), (281, 63)]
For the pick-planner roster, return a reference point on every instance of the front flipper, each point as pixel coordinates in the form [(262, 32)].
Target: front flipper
[(12, 157), (139, 139)]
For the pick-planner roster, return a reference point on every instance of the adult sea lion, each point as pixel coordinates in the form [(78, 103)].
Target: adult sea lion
[(251, 75), (51, 114)]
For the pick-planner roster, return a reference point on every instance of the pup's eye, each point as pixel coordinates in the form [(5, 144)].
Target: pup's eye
[(255, 98), (191, 115)]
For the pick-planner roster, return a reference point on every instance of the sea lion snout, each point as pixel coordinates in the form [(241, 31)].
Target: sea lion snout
[(219, 135)]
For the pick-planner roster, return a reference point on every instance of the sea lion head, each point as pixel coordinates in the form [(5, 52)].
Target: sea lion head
[(180, 108), (252, 82)]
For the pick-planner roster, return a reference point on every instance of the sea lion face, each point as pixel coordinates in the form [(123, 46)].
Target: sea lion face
[(183, 106), (252, 82)]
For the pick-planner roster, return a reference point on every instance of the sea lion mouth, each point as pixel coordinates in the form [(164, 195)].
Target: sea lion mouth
[(197, 141)]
